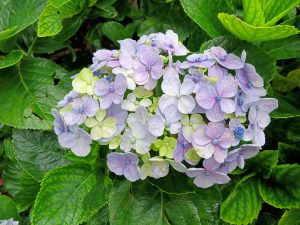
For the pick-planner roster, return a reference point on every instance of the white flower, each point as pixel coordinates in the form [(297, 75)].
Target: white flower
[(131, 104)]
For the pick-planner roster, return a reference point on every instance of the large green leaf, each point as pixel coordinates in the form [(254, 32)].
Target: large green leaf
[(265, 64), (174, 183), (62, 195), (59, 41), (290, 217), (28, 92), (58, 3), (161, 17), (274, 10), (289, 153), (11, 59), (287, 107), (204, 13), (38, 152), (200, 208), (264, 162), (116, 31), (243, 204), (251, 33), (141, 203), (17, 15), (8, 208), (282, 190), (26, 196), (12, 176), (50, 22), (286, 48), (253, 12)]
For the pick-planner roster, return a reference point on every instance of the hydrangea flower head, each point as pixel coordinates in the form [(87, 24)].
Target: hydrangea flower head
[(202, 115)]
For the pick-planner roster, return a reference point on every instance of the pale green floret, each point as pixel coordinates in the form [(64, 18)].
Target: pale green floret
[(101, 127), (165, 147), (192, 155), (115, 142), (84, 82)]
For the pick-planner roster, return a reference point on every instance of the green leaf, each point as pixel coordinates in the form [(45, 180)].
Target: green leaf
[(282, 190), (264, 162), (38, 152), (58, 3), (204, 13), (243, 204), (287, 108), (71, 8), (12, 176), (115, 31), (62, 194), (51, 44), (141, 203), (50, 22), (99, 218), (160, 18), (8, 208), (274, 10), (265, 64), (101, 191), (253, 13), (251, 33), (290, 217), (289, 153), (8, 32), (11, 59), (26, 196), (201, 208), (27, 94), (174, 183), (286, 48), (17, 15)]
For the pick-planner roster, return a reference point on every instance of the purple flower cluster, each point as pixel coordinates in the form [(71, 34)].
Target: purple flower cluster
[(210, 116)]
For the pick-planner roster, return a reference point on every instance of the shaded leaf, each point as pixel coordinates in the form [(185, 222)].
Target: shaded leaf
[(17, 15), (289, 153), (8, 208), (286, 48), (282, 190), (290, 217), (116, 31), (264, 162), (11, 59), (38, 152), (31, 87)]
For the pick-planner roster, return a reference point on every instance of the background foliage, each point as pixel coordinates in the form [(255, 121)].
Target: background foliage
[(44, 42)]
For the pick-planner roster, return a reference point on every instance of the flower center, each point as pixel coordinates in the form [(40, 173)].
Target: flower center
[(239, 133), (109, 78), (185, 144), (206, 173), (195, 79), (223, 57), (240, 102), (171, 46), (81, 109), (111, 88), (201, 59), (148, 68), (215, 141), (132, 141), (218, 98), (127, 161)]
